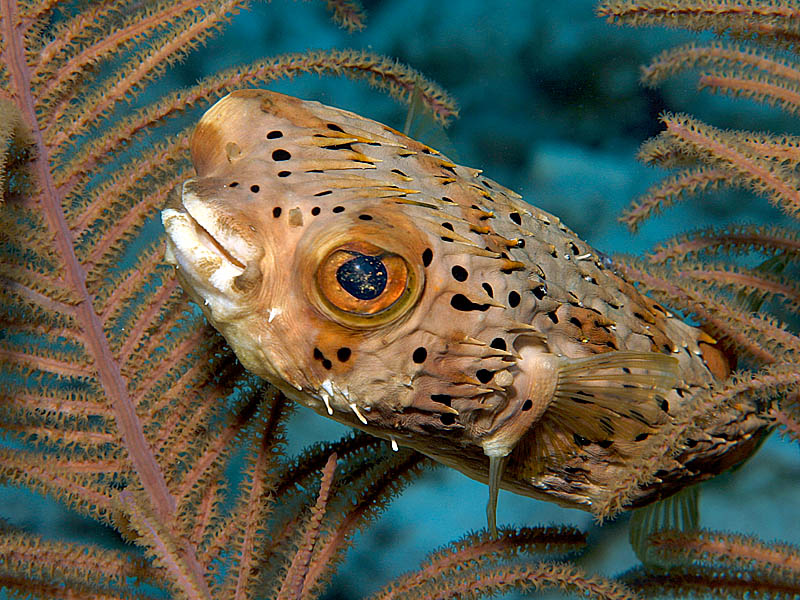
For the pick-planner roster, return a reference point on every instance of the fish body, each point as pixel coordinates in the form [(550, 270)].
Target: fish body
[(378, 283)]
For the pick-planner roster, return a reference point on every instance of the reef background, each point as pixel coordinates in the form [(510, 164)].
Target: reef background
[(551, 107)]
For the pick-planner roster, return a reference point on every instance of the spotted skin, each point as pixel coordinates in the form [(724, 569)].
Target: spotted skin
[(493, 330)]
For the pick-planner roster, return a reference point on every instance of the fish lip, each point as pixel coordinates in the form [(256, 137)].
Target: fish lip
[(211, 242), (205, 228)]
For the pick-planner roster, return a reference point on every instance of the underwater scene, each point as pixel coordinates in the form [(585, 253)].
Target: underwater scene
[(168, 484)]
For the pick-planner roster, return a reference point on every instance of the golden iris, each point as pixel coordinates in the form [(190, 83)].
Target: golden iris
[(362, 279)]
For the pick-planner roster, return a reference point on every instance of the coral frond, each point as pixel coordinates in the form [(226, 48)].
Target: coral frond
[(720, 149), (735, 239), (348, 14), (16, 151), (672, 190), (480, 582), (481, 550)]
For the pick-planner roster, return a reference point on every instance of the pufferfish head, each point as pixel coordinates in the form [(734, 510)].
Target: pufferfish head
[(294, 246)]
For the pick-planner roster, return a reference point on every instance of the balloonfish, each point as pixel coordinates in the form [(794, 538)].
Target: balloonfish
[(373, 280)]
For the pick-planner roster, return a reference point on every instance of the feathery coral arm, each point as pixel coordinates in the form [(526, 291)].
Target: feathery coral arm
[(719, 148), (738, 279), (348, 14), (482, 549), (702, 582), (785, 94), (395, 472), (757, 336), (733, 239), (480, 581), (378, 71), (699, 15), (788, 416), (65, 120), (50, 200), (719, 56), (294, 583), (68, 563), (730, 551), (672, 190), (256, 502), (166, 550)]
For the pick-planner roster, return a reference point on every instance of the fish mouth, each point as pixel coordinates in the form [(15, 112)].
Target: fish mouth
[(200, 244), (205, 237)]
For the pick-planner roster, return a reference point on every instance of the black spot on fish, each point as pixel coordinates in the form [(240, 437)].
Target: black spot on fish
[(459, 273), (419, 356), (499, 344), (484, 375), (464, 304), (427, 257), (445, 399)]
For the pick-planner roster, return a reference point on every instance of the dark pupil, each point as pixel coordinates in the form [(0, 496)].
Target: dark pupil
[(363, 276)]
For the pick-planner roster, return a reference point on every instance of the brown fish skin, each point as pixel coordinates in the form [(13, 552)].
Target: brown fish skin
[(484, 327)]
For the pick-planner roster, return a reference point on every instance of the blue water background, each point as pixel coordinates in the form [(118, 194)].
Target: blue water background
[(551, 107)]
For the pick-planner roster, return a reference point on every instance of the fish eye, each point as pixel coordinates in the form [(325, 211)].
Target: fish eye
[(359, 279)]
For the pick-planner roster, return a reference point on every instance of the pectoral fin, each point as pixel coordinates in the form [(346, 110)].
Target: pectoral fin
[(561, 405), (614, 398)]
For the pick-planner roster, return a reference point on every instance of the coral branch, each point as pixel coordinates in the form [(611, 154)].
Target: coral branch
[(294, 584)]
